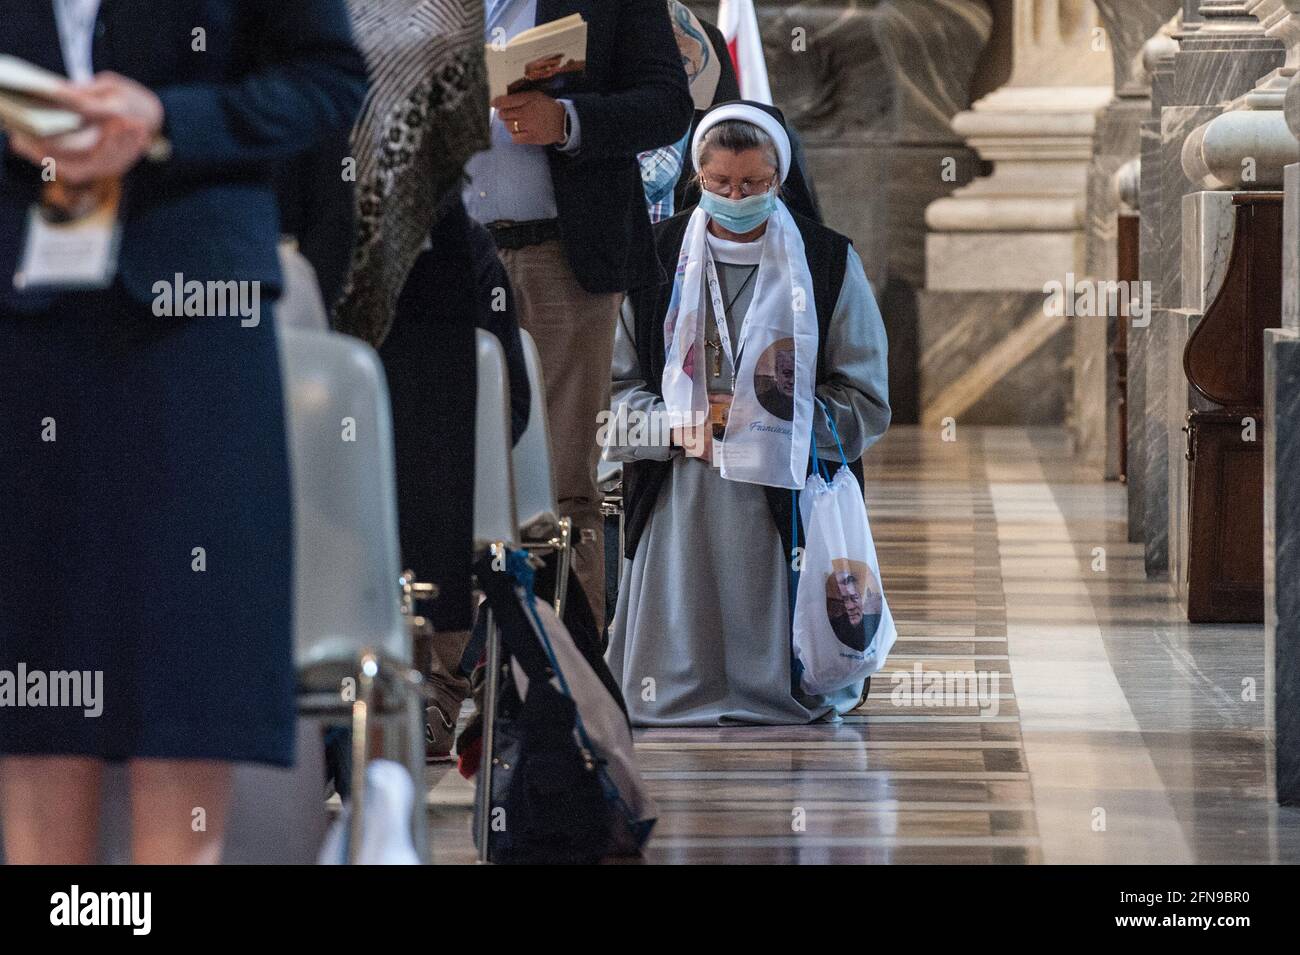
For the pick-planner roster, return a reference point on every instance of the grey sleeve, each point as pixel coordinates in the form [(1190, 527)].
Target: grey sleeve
[(856, 392), (636, 429)]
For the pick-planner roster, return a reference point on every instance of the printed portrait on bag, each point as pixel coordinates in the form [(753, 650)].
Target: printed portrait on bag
[(774, 379), (853, 602)]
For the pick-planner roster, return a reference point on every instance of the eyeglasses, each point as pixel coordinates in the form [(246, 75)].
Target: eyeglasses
[(723, 186)]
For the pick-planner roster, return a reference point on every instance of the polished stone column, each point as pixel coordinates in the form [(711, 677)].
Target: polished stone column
[(1221, 55), (1158, 59), (997, 356), (1248, 145), (1281, 487), (871, 86), (1022, 225), (1282, 554), (1243, 148), (1129, 24)]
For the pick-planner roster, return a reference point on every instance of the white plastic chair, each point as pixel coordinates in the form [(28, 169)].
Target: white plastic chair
[(495, 516), (542, 529), (496, 526), (534, 475), (301, 304), (352, 649)]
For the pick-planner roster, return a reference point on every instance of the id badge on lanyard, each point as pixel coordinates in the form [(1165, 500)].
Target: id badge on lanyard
[(72, 238)]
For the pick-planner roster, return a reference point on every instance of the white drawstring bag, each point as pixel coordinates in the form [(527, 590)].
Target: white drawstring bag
[(843, 630)]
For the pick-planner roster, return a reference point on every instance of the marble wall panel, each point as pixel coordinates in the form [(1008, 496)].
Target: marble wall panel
[(1155, 442), (1149, 270), (1282, 556), (1179, 400), (1209, 225), (960, 331), (1291, 249)]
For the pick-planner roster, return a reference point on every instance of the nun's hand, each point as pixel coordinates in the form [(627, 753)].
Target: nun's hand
[(695, 442)]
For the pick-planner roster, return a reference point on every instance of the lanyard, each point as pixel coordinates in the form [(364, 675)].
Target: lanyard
[(720, 317)]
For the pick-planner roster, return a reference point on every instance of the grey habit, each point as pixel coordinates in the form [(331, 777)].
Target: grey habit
[(701, 635)]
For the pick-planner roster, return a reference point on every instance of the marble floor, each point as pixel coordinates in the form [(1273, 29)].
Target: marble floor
[(1044, 703)]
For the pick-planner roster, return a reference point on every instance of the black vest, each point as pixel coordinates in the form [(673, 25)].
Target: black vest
[(827, 255)]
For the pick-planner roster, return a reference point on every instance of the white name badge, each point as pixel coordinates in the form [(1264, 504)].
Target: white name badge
[(72, 240)]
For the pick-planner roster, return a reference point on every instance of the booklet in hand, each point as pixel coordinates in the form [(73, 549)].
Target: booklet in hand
[(26, 100), (544, 57)]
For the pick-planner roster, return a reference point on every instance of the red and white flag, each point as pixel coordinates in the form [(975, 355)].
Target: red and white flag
[(738, 22)]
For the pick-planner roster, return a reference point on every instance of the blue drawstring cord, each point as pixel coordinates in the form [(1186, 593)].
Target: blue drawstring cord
[(818, 468), (794, 550), (834, 432), (521, 570)]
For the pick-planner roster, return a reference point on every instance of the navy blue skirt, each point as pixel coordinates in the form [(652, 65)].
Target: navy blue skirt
[(145, 535)]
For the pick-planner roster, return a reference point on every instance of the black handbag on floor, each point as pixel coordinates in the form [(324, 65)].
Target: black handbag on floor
[(552, 807), (558, 796)]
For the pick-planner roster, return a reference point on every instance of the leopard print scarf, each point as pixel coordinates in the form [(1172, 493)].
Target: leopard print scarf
[(425, 115)]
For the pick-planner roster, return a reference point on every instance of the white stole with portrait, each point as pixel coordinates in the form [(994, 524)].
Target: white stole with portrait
[(775, 366)]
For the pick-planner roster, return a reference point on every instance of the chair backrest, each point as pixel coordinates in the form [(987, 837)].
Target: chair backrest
[(301, 304), (346, 551), (494, 485), (534, 473)]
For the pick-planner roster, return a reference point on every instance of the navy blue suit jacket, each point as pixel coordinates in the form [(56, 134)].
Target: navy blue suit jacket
[(632, 97), (273, 78)]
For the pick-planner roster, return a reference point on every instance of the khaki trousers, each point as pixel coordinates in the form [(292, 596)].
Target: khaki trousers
[(574, 330)]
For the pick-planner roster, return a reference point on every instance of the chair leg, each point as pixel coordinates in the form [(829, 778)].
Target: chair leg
[(622, 537), (414, 738), (490, 691), (562, 570), (360, 753)]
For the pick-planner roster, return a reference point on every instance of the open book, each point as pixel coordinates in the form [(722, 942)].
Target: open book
[(539, 58), (25, 103)]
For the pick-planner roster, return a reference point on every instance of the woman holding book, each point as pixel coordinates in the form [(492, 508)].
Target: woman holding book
[(767, 317), (145, 513)]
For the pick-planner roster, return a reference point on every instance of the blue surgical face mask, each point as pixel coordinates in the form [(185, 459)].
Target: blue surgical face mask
[(738, 215)]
